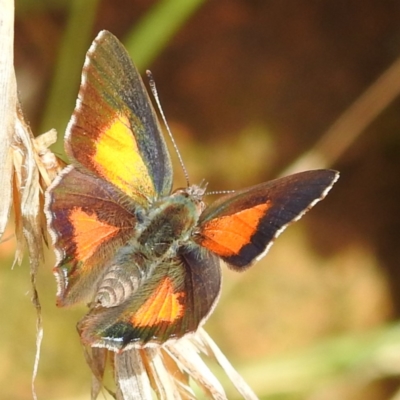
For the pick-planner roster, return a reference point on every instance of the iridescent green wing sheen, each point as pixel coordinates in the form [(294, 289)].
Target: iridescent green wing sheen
[(114, 132)]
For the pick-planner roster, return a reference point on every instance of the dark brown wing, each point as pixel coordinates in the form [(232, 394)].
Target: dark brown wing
[(241, 227)]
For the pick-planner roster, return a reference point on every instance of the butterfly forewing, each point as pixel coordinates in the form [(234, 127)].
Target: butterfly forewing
[(241, 227), (114, 132)]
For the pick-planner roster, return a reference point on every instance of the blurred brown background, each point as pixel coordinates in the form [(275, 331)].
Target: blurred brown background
[(248, 87)]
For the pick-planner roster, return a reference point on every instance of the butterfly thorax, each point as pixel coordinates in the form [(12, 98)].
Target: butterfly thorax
[(170, 222)]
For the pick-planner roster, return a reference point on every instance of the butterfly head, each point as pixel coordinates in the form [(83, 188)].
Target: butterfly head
[(195, 193)]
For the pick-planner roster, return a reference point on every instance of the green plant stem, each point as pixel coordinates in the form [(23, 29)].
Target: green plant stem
[(64, 88), (155, 30)]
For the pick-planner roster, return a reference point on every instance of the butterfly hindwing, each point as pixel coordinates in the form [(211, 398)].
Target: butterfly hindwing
[(89, 221), (175, 299), (241, 227), (114, 132)]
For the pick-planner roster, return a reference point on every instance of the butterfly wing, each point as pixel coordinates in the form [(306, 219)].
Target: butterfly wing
[(241, 227), (119, 162), (175, 299), (88, 220), (114, 132)]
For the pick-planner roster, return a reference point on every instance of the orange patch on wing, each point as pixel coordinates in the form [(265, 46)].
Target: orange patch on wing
[(118, 159), (227, 235), (162, 306), (89, 232)]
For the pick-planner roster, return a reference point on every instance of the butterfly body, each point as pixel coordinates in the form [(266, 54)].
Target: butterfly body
[(161, 232), (169, 224), (146, 258)]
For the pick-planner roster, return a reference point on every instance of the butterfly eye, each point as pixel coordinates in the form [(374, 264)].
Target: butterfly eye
[(139, 214)]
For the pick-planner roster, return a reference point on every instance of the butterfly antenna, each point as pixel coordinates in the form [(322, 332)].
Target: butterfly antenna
[(219, 192), (153, 88)]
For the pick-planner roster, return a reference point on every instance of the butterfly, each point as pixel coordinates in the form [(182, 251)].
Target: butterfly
[(144, 257)]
